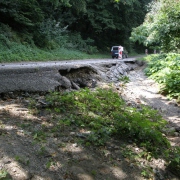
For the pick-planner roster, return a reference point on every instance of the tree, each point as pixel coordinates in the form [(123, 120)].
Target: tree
[(20, 14), (103, 23), (161, 26), (108, 22)]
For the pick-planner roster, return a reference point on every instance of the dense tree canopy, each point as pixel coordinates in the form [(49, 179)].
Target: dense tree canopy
[(51, 23), (161, 26)]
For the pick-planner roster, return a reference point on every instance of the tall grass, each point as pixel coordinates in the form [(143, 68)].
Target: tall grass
[(18, 52), (55, 45)]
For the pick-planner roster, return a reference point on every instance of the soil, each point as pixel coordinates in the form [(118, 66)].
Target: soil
[(61, 156)]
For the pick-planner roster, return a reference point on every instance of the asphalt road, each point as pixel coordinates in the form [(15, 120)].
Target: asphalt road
[(41, 76), (52, 64)]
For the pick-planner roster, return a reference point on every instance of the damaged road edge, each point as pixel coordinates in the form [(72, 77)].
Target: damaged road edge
[(60, 77)]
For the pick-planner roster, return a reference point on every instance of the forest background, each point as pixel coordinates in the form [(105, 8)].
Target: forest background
[(63, 29)]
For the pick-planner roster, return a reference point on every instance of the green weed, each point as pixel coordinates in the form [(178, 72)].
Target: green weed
[(39, 136), (42, 150), (3, 174), (173, 158), (19, 53), (124, 79), (2, 125), (129, 153), (50, 43), (50, 163), (146, 173), (165, 69), (22, 160), (105, 114), (94, 172)]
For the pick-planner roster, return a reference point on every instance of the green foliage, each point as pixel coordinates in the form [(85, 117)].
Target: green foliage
[(39, 136), (50, 35), (20, 52), (58, 45), (21, 13), (160, 27), (124, 79), (22, 160), (3, 174), (110, 21), (165, 69), (75, 41), (146, 173), (50, 163), (174, 160), (105, 114), (87, 26)]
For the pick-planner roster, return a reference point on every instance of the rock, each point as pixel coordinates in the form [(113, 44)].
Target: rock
[(65, 82), (176, 133), (172, 129), (72, 133), (124, 66), (120, 70), (42, 103), (116, 73), (75, 145), (75, 86), (81, 82), (94, 83), (26, 94), (177, 129), (140, 63)]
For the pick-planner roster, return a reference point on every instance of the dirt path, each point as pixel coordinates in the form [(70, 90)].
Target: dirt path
[(32, 148), (142, 90)]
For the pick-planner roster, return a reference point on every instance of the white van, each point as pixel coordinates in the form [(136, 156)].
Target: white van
[(115, 52)]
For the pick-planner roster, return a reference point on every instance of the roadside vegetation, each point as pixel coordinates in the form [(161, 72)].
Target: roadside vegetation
[(165, 69), (62, 30), (160, 29), (13, 50), (103, 115), (160, 33), (22, 53)]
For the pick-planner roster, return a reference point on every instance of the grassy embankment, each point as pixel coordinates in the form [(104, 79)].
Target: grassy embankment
[(105, 115), (19, 53)]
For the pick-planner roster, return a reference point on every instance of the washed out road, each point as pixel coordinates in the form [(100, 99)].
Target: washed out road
[(41, 76)]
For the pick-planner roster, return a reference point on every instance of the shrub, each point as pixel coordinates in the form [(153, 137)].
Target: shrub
[(165, 69), (105, 114)]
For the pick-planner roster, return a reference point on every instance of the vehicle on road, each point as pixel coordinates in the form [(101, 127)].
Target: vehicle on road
[(115, 52)]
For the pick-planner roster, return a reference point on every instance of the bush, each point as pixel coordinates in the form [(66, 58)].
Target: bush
[(50, 35), (105, 114), (165, 69), (75, 41), (54, 41)]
